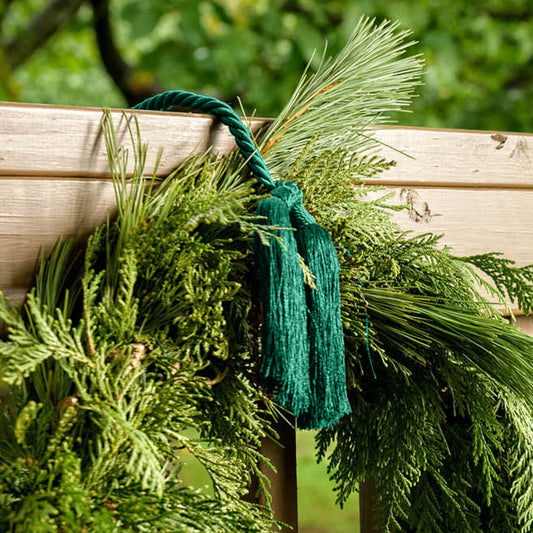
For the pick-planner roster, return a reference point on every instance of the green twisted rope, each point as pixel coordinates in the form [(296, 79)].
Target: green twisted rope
[(223, 112)]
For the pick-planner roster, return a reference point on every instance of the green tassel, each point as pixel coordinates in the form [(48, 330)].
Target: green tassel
[(302, 350), (329, 400), (285, 344), (303, 341)]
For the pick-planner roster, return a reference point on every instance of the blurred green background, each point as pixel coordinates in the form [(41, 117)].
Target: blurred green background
[(479, 75), (479, 53)]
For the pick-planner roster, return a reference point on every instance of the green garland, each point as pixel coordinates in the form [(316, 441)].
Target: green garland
[(138, 350)]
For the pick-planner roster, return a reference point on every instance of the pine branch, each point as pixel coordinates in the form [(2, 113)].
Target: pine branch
[(494, 347), (347, 95)]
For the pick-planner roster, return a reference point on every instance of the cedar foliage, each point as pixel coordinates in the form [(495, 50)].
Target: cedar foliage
[(108, 376), (438, 428), (122, 349)]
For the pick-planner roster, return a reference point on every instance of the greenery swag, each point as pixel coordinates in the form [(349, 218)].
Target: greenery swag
[(140, 346)]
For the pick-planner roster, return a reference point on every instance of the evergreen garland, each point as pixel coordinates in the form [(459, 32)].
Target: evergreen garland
[(125, 347), (149, 341)]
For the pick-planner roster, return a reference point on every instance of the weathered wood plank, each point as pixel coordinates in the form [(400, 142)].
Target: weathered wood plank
[(472, 221), (525, 324), (33, 213), (74, 146), (450, 158), (41, 140), (474, 187)]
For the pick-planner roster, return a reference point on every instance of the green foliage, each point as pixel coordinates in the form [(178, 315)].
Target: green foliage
[(150, 339), (430, 429), (59, 71), (507, 279), (105, 389), (370, 64)]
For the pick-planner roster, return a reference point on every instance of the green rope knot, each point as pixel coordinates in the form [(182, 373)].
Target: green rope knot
[(302, 348), (290, 193)]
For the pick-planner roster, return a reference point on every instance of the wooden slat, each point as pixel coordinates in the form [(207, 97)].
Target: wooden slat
[(74, 147), (33, 213), (40, 140), (451, 158), (283, 482), (472, 221), (369, 518), (525, 324)]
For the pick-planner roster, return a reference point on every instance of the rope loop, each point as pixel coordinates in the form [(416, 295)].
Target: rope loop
[(223, 112), (288, 191)]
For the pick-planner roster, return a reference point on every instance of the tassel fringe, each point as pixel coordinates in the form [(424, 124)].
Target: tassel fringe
[(303, 342), (329, 399), (285, 344)]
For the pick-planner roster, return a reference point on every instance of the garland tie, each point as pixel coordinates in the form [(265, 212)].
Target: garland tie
[(302, 347)]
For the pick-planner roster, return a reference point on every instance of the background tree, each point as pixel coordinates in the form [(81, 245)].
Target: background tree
[(115, 52)]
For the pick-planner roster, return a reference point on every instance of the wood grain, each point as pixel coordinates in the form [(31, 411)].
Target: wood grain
[(74, 146), (472, 221), (33, 213), (525, 324), (476, 188), (41, 140), (452, 158)]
